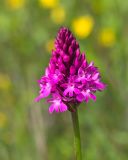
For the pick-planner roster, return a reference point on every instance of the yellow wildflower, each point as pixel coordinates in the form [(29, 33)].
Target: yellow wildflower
[(48, 3), (82, 26), (107, 37), (49, 45), (15, 4), (3, 119), (5, 82), (58, 15)]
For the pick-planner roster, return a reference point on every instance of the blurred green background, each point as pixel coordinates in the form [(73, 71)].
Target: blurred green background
[(27, 32)]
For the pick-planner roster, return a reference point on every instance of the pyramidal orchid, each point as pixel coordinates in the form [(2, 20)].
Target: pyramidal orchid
[(69, 80)]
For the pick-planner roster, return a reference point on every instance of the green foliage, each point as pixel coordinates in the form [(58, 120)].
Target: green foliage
[(27, 131)]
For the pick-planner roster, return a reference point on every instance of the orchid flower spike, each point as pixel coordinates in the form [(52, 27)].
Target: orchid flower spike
[(69, 79)]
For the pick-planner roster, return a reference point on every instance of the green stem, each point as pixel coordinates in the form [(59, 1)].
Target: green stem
[(77, 141)]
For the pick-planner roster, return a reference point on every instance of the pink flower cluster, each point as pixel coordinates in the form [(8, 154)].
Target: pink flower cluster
[(69, 79)]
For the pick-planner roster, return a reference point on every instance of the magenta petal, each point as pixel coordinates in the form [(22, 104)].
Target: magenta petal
[(66, 58), (95, 76), (80, 97), (100, 85), (65, 92), (57, 108), (86, 98), (72, 70), (51, 108), (70, 93), (81, 72), (37, 99), (45, 90), (63, 107), (46, 93), (69, 90), (92, 96), (91, 64), (47, 72), (77, 91)]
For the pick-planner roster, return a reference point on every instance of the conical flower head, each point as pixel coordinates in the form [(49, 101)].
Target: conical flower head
[(68, 79)]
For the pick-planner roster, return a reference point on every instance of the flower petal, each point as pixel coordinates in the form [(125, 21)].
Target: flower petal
[(92, 96), (77, 91), (100, 86), (63, 107), (95, 76), (37, 99), (80, 97), (66, 92), (51, 108)]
